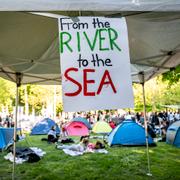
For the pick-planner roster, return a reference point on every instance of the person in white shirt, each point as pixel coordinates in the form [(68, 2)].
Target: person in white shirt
[(176, 116), (171, 117), (52, 138)]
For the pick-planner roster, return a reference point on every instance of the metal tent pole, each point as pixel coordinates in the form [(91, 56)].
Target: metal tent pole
[(18, 83), (142, 81)]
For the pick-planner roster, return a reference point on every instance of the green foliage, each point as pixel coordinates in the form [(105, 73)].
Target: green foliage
[(120, 163), (7, 93), (172, 76), (157, 93), (59, 108), (38, 97), (172, 94)]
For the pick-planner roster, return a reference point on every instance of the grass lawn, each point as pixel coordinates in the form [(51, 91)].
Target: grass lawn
[(128, 163)]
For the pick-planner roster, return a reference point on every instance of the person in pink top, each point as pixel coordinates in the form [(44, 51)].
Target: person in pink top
[(112, 124), (97, 145)]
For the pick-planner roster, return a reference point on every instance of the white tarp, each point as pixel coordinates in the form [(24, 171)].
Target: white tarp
[(29, 44), (95, 63)]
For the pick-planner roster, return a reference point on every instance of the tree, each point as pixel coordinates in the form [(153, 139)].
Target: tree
[(157, 93), (7, 94), (172, 94), (41, 97), (172, 76)]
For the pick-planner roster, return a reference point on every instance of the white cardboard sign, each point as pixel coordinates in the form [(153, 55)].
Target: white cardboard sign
[(95, 63)]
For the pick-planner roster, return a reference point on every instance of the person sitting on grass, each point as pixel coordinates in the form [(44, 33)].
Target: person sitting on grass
[(52, 137), (84, 137), (165, 125)]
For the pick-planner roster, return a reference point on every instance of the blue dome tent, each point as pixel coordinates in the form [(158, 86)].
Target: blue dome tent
[(44, 126), (173, 134), (6, 137), (129, 133)]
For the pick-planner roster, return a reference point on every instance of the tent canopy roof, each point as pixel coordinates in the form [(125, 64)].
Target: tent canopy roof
[(90, 5), (29, 43)]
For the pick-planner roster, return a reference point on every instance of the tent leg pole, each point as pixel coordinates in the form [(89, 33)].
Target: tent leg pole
[(18, 84), (146, 131), (15, 132)]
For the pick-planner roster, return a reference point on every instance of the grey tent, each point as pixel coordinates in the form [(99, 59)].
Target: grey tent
[(173, 134)]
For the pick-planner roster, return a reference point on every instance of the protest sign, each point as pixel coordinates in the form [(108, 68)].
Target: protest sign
[(95, 63)]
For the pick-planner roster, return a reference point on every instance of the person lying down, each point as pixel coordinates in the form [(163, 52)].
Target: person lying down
[(83, 146)]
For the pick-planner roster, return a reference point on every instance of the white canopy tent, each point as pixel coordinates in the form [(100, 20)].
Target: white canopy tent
[(29, 40), (29, 44)]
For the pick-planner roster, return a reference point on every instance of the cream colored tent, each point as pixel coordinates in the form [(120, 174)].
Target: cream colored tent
[(101, 127)]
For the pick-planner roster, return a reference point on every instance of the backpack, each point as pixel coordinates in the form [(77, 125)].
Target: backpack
[(33, 157)]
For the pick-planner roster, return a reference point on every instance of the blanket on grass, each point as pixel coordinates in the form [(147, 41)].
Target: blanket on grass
[(73, 151), (32, 154)]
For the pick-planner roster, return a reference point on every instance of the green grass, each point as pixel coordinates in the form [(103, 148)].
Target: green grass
[(124, 163)]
